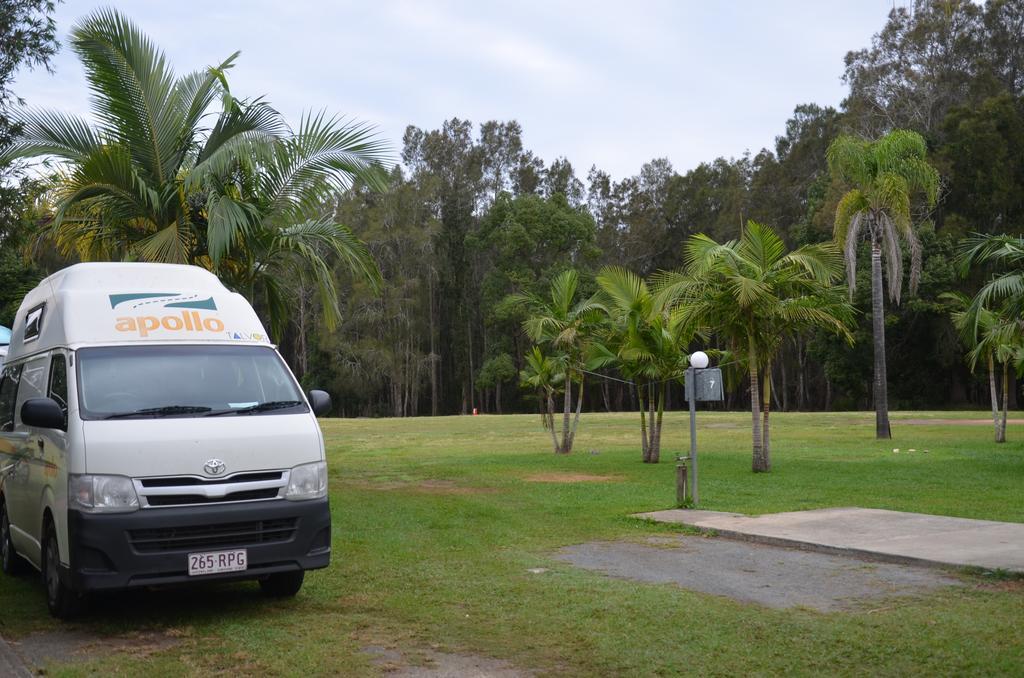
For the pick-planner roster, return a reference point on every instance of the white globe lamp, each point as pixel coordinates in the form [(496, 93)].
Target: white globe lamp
[(699, 359)]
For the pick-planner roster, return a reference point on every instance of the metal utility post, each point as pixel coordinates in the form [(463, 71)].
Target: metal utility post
[(702, 383), (691, 380)]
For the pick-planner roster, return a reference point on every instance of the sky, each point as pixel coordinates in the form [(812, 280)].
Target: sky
[(611, 84)]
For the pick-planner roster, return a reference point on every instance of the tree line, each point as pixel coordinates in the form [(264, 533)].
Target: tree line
[(402, 290), (472, 216)]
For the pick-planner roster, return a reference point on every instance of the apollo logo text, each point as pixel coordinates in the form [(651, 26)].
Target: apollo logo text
[(186, 321)]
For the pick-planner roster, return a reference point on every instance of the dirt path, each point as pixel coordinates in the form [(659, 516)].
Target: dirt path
[(434, 664), (10, 663), (39, 651)]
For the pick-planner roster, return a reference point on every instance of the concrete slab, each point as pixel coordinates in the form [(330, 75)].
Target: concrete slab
[(893, 536)]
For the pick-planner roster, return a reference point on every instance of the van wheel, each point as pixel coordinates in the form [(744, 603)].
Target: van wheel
[(62, 601), (282, 584), (10, 562)]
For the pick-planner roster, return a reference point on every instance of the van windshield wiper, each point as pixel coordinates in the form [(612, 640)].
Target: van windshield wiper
[(262, 407), (165, 411)]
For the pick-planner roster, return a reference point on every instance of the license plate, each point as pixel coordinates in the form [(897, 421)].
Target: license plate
[(214, 562)]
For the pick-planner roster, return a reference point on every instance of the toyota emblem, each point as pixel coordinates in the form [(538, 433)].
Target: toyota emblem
[(215, 467)]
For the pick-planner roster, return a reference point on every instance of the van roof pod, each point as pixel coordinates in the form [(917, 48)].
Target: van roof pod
[(121, 303)]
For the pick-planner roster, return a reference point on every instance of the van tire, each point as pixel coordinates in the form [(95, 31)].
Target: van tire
[(282, 584), (10, 562), (60, 599)]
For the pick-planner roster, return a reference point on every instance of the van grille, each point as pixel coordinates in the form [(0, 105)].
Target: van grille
[(190, 490), (205, 537), (195, 480), (186, 499)]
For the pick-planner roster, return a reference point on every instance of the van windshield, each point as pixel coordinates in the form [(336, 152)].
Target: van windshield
[(184, 381)]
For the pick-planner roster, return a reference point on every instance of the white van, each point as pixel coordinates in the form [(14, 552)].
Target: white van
[(150, 434)]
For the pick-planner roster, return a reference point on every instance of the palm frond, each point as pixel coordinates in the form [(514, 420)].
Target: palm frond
[(324, 154), (849, 158), (169, 245), (892, 255), (50, 133), (761, 244), (854, 202), (627, 291), (131, 83)]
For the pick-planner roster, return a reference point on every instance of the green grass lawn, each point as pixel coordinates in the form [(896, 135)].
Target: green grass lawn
[(436, 522)]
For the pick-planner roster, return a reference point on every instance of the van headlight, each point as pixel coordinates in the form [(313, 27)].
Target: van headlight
[(102, 494), (308, 481)]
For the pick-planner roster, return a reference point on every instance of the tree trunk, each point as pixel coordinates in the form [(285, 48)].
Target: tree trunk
[(551, 423), (472, 375), (303, 351), (655, 456), (652, 406), (497, 397), (576, 419), (801, 378), (881, 386), (567, 414), (993, 393), (433, 347), (766, 440), (760, 464), (1006, 401), (643, 423), (785, 386)]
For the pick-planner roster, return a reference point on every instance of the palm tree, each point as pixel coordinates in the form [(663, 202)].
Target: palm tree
[(997, 338), (268, 216), (543, 375), (1000, 330), (754, 293), (162, 177), (1006, 286), (565, 324), (645, 343), (883, 175)]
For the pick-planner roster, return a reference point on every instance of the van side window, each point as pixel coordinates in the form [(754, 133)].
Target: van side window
[(33, 323), (58, 390), (8, 397)]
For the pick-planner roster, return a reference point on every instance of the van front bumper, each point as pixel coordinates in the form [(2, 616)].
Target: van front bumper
[(150, 547)]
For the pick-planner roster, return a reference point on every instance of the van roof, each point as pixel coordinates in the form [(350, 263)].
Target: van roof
[(114, 303)]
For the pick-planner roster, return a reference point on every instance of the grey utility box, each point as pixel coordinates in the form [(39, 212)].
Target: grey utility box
[(709, 384)]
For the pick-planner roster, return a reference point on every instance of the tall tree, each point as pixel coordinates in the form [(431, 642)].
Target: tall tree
[(983, 159), (884, 175), (448, 166)]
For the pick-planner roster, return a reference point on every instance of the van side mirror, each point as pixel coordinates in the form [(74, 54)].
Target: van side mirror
[(320, 401), (42, 413)]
